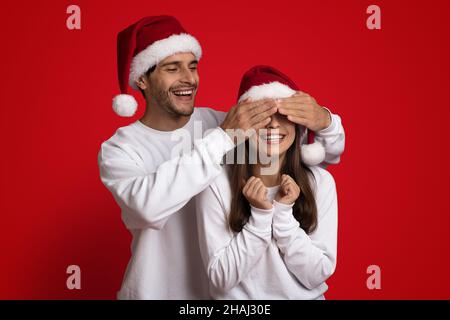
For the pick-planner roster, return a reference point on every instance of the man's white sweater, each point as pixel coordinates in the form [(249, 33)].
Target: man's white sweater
[(154, 182)]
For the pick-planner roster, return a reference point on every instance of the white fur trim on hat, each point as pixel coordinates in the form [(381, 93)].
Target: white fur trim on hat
[(124, 105), (159, 50), (313, 153), (272, 90)]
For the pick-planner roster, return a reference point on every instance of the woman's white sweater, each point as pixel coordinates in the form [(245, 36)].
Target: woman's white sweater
[(272, 257)]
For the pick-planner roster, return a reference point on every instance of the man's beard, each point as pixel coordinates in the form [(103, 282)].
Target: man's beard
[(163, 100)]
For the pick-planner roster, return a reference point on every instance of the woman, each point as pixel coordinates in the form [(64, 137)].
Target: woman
[(270, 235)]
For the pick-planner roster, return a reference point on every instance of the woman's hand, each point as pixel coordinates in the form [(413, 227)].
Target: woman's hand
[(289, 190), (256, 193)]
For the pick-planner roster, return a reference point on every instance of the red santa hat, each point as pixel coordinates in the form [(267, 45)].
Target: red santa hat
[(143, 45), (264, 82)]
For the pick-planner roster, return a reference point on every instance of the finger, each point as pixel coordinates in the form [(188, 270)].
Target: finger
[(293, 184), (287, 176), (260, 108), (259, 182), (247, 184), (262, 115), (250, 180), (285, 189), (301, 93), (299, 120), (251, 187), (294, 98), (244, 190), (262, 124), (297, 99), (294, 112), (250, 190), (253, 104), (290, 181), (295, 106), (262, 193), (259, 187), (290, 184), (283, 186), (284, 178), (288, 190)]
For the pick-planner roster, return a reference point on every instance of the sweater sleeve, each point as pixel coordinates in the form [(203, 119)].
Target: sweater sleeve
[(333, 139), (228, 257), (312, 259), (147, 199)]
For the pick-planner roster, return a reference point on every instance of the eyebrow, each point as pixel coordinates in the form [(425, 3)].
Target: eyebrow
[(177, 63)]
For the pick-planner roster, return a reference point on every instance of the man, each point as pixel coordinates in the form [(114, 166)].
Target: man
[(154, 186)]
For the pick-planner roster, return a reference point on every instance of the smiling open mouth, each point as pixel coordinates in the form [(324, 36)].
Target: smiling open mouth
[(272, 138), (184, 94)]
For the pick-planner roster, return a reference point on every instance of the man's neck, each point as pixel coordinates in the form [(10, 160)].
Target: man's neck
[(158, 119)]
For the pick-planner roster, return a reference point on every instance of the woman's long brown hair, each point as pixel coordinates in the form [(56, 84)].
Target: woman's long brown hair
[(304, 210)]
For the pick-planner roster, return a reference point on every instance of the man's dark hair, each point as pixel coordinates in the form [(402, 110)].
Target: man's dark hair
[(147, 74)]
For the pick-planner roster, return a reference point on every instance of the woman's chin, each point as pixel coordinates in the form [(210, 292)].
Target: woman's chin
[(273, 152), (276, 149)]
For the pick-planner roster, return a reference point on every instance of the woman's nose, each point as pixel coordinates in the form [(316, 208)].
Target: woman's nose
[(274, 122)]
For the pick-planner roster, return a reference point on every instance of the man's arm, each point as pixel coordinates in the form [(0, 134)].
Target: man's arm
[(303, 109), (148, 199), (333, 139)]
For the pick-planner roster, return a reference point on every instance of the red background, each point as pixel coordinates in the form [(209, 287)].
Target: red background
[(390, 88)]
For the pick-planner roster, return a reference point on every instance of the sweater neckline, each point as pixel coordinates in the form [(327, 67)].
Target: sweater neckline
[(271, 190), (148, 129)]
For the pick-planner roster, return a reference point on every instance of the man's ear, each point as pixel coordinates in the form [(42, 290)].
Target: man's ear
[(142, 82)]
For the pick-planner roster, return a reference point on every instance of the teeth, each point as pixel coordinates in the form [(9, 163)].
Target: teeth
[(274, 137), (183, 93)]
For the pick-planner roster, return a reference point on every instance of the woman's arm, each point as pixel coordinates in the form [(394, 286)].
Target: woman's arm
[(311, 258), (228, 256)]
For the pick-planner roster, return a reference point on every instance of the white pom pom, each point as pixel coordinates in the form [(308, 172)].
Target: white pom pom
[(124, 105), (313, 154)]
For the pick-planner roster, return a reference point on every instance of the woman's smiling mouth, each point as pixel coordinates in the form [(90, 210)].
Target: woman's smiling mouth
[(272, 138)]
